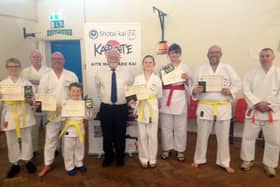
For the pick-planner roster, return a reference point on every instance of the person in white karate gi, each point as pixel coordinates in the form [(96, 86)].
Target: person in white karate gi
[(214, 108), (173, 108), (73, 136), (33, 73), (148, 113), (262, 93), (17, 120), (55, 82)]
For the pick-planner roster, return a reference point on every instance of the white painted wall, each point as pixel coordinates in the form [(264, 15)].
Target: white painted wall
[(14, 15)]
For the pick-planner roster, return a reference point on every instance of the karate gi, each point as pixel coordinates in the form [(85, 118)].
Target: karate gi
[(205, 114), (261, 86), (30, 73), (148, 115), (52, 85), (16, 151), (173, 118), (73, 144)]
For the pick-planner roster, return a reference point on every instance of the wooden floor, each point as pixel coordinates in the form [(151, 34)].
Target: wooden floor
[(167, 173)]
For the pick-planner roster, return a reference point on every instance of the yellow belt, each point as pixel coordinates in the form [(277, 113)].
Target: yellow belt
[(141, 108), (215, 105), (77, 125), (15, 114)]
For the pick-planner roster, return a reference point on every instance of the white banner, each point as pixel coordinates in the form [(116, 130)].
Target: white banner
[(96, 36)]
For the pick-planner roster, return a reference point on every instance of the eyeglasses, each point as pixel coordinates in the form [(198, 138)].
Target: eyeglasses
[(11, 66), (57, 58)]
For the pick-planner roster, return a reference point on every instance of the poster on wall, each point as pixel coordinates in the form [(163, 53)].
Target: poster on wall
[(96, 35)]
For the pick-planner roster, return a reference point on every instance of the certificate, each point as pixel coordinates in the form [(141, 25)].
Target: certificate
[(137, 92), (48, 102), (213, 83), (12, 92), (73, 108), (171, 75)]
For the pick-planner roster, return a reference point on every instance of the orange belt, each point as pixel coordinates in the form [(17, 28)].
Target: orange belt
[(172, 88)]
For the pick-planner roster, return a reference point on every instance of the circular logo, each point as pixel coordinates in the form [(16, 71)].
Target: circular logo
[(93, 34)]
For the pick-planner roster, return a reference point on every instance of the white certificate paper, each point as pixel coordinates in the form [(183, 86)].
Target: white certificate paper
[(214, 83), (73, 108), (172, 76), (12, 92), (48, 102), (141, 92)]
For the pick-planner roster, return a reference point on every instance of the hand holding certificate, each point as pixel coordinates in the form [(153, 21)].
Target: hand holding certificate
[(12, 92), (48, 102), (137, 92), (73, 108), (171, 75), (212, 83)]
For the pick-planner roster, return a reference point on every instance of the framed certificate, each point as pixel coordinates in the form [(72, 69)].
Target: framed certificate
[(12, 92), (137, 92), (171, 75), (73, 108), (48, 102), (213, 83)]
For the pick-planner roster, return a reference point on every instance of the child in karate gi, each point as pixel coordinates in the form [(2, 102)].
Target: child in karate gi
[(148, 113), (73, 137), (17, 120)]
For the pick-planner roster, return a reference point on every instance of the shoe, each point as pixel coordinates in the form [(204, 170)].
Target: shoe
[(247, 165), (165, 155), (14, 170), (120, 162), (107, 162), (31, 168), (72, 172), (82, 169), (181, 156), (269, 171)]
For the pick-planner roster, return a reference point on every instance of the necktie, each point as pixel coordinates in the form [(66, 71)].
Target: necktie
[(114, 87)]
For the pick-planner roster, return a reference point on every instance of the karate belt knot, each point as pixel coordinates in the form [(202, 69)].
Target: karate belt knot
[(142, 104), (14, 104), (215, 105), (75, 124), (270, 116), (172, 88)]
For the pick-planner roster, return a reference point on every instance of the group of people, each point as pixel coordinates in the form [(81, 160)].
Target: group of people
[(165, 107)]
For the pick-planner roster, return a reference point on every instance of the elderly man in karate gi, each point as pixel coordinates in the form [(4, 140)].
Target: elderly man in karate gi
[(262, 93), (33, 73), (214, 108), (55, 82)]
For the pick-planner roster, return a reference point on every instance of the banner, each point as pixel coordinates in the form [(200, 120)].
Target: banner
[(95, 38)]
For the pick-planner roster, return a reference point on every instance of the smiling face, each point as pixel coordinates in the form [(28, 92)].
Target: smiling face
[(113, 59), (75, 93), (266, 58), (214, 55), (36, 59), (13, 68), (57, 61), (148, 63)]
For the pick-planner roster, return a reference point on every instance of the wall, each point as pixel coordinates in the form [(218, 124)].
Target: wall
[(14, 15)]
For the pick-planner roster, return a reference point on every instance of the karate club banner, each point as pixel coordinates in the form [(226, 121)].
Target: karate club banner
[(96, 35)]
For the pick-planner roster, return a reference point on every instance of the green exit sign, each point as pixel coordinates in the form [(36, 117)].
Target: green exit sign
[(57, 24)]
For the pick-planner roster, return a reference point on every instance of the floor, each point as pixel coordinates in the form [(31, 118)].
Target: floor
[(167, 173)]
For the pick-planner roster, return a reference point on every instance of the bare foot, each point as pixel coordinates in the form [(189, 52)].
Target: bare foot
[(195, 165), (230, 170), (44, 171)]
